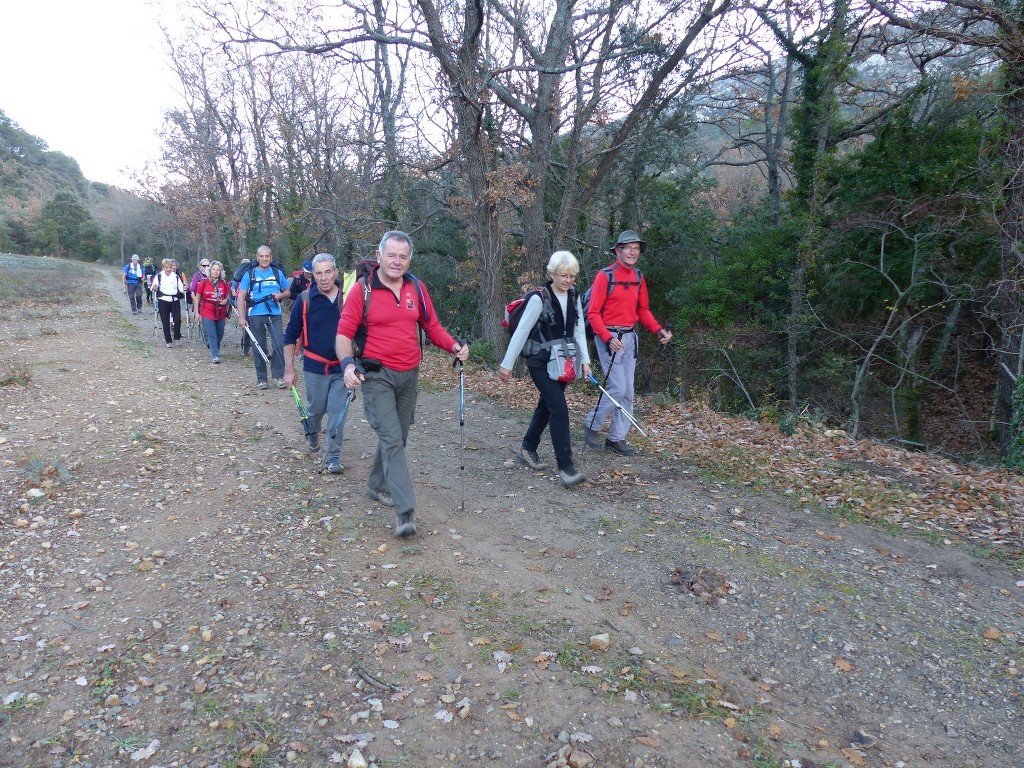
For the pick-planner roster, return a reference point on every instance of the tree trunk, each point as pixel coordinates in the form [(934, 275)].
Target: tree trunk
[(461, 68)]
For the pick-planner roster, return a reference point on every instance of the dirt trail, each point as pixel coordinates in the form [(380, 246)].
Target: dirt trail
[(188, 590)]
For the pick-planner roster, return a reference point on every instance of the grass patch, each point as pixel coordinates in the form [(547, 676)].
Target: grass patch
[(46, 472), (53, 281), (15, 374), (23, 704)]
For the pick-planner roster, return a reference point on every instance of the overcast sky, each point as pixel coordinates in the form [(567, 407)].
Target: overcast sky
[(89, 79)]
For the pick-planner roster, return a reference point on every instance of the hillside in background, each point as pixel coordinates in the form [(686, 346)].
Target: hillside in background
[(47, 207)]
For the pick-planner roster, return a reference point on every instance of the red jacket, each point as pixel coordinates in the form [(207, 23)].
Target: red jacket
[(627, 303), (392, 336), (209, 294)]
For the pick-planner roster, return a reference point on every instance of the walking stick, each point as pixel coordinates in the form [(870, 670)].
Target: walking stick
[(307, 427), (614, 402), (462, 426), (335, 426), (256, 345)]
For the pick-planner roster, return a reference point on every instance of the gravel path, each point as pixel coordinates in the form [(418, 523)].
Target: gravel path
[(181, 587)]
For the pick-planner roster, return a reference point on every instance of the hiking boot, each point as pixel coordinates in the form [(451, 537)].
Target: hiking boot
[(381, 497), (280, 383), (313, 441), (406, 525), (620, 447), (334, 466), (529, 459), (169, 346), (216, 360), (262, 385), (591, 438), (571, 476)]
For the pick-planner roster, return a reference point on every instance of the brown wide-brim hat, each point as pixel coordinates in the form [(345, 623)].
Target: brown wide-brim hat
[(627, 237)]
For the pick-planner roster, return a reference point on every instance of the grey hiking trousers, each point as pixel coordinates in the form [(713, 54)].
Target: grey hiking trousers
[(389, 402)]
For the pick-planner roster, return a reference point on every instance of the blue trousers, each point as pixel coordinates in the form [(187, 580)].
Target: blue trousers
[(214, 335)]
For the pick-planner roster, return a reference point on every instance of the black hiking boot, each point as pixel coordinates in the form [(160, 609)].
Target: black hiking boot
[(620, 447), (571, 476), (529, 459)]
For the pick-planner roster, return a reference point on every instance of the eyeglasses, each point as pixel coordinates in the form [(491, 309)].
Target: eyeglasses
[(565, 276)]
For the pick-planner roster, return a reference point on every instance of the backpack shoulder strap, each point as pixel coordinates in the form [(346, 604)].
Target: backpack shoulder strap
[(304, 299), (610, 272), (423, 304)]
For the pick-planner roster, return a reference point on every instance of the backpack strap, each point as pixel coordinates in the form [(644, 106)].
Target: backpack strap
[(547, 317), (365, 283), (278, 276)]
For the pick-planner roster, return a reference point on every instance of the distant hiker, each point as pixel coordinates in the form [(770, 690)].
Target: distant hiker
[(148, 272), (170, 290), (199, 274), (551, 321), (302, 279), (212, 295), (312, 325), (260, 291), (133, 276), (393, 306), (618, 300), (242, 268)]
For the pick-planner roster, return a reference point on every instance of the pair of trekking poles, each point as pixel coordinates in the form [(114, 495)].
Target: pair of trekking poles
[(612, 400)]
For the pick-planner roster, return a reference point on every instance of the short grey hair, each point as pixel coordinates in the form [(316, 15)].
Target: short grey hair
[(217, 264), (562, 260), (396, 234), (320, 258)]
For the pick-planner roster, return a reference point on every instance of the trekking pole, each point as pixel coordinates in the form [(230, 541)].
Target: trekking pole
[(615, 402), (335, 426), (256, 345), (462, 426), (307, 427), (607, 373)]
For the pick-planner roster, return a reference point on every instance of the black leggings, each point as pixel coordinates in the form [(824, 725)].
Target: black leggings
[(169, 309)]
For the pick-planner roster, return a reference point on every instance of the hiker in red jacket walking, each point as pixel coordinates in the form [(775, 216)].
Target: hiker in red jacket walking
[(618, 301)]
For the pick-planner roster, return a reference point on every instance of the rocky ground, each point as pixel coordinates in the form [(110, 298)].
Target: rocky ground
[(181, 586)]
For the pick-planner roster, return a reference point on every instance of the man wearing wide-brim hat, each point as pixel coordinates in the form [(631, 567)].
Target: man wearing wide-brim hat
[(618, 301)]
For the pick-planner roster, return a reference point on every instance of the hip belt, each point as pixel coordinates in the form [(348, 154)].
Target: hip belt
[(621, 328)]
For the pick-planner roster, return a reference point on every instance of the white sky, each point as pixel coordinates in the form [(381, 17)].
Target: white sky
[(89, 78)]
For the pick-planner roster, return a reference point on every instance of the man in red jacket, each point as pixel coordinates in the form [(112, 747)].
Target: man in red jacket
[(618, 300), (389, 306)]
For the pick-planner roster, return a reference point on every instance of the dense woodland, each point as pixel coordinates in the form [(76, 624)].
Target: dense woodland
[(831, 191)]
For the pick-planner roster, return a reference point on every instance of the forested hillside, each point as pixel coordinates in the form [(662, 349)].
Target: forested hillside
[(830, 191), (48, 207)]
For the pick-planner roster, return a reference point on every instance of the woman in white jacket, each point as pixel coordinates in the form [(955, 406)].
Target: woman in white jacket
[(169, 291), (552, 322)]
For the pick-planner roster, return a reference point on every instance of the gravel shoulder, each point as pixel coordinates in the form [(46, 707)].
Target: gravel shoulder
[(181, 586)]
